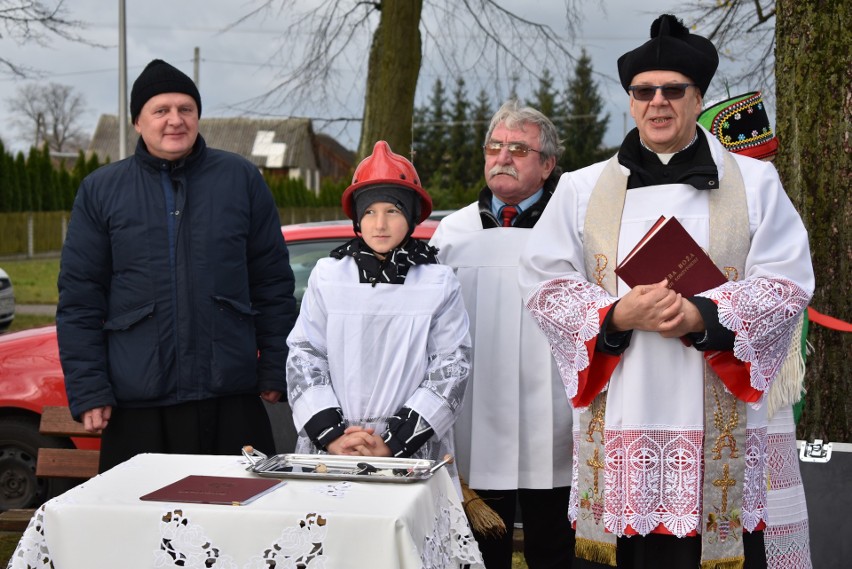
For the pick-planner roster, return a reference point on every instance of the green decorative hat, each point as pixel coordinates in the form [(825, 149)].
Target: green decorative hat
[(741, 125)]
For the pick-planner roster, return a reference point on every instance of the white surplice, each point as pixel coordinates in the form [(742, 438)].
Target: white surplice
[(515, 428), (370, 350), (655, 399)]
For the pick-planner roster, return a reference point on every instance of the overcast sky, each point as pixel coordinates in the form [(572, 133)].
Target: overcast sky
[(235, 68)]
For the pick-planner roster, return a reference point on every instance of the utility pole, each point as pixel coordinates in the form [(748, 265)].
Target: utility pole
[(38, 130), (122, 81), (196, 67)]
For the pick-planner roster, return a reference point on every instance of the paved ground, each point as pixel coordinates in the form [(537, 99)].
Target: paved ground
[(38, 309)]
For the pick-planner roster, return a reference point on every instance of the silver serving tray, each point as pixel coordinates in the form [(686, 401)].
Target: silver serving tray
[(337, 467)]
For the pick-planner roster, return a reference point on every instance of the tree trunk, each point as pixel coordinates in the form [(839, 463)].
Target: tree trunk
[(392, 77), (814, 114)]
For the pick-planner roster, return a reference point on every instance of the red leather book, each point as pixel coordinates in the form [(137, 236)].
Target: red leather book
[(668, 251), (214, 490)]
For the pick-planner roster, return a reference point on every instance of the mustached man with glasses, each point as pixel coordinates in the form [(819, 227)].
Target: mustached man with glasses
[(513, 439), (669, 391)]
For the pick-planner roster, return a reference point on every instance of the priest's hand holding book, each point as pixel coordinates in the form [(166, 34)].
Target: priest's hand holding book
[(656, 308), (669, 252)]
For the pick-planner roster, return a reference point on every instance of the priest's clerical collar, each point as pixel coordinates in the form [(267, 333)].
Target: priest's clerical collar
[(666, 156), (694, 165)]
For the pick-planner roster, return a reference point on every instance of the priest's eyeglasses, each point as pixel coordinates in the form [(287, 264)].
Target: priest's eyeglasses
[(516, 149), (670, 91)]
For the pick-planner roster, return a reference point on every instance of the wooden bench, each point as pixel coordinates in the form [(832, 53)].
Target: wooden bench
[(56, 462), (65, 462)]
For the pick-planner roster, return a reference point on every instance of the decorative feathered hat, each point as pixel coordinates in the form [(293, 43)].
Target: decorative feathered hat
[(671, 48), (741, 125)]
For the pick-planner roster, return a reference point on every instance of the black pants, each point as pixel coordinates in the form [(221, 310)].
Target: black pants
[(212, 426), (658, 551), (548, 537)]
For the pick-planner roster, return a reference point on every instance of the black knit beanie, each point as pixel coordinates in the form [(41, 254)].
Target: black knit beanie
[(157, 78), (404, 199)]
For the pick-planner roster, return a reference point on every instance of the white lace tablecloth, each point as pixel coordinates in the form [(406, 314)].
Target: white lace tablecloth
[(304, 524)]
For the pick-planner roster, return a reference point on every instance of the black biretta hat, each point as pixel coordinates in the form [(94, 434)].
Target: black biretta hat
[(671, 48), (157, 78)]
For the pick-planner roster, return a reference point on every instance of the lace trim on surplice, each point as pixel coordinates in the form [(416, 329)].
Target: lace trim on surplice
[(567, 313), (762, 312), (307, 367), (447, 375), (654, 477), (788, 546)]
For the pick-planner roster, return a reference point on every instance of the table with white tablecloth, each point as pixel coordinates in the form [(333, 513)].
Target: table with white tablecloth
[(330, 524)]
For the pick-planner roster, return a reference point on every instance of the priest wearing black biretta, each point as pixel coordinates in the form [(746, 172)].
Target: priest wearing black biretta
[(668, 388)]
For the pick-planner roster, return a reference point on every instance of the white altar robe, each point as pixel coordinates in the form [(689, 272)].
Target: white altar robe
[(515, 427), (370, 350), (655, 418)]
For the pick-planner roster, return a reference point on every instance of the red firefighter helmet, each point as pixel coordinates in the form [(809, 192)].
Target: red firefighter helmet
[(383, 167)]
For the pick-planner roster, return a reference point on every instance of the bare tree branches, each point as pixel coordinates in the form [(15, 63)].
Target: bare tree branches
[(743, 32), (316, 43), (49, 113), (326, 42), (33, 21)]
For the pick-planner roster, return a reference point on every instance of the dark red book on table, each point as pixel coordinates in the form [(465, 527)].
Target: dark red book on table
[(214, 490), (668, 251)]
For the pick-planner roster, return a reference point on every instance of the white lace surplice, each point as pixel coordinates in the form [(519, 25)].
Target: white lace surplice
[(787, 532), (371, 350), (654, 414)]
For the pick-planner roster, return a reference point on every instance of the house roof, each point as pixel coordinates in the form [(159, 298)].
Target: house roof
[(269, 143)]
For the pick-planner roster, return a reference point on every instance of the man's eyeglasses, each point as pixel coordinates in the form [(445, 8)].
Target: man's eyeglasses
[(516, 149), (670, 91)]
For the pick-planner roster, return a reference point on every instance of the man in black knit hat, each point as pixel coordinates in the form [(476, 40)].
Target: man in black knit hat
[(669, 390), (175, 290)]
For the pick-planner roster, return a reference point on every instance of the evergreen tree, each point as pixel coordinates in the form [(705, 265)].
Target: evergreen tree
[(331, 192), (514, 81), (5, 181), (430, 153), (544, 98), (43, 178), (459, 152), (419, 134), (480, 117), (78, 171), (583, 131), (66, 189), (22, 179)]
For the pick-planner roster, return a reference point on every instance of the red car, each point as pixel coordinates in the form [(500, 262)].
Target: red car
[(31, 376)]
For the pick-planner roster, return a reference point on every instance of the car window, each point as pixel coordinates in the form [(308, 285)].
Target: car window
[(303, 256)]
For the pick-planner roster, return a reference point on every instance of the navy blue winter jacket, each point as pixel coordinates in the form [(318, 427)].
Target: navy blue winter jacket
[(175, 283)]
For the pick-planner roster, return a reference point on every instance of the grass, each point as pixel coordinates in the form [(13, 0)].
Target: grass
[(34, 280), (8, 542), (27, 321)]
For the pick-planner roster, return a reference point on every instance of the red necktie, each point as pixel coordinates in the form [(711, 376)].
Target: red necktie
[(507, 214)]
